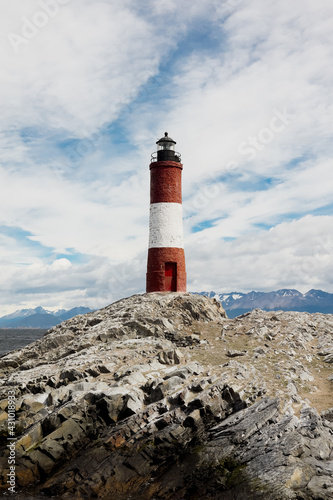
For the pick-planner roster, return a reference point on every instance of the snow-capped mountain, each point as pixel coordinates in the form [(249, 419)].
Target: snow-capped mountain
[(236, 303), (39, 317)]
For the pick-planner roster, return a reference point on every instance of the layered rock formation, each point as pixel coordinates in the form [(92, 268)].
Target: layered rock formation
[(160, 396)]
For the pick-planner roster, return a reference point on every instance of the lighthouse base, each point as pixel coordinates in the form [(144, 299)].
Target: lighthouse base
[(166, 270)]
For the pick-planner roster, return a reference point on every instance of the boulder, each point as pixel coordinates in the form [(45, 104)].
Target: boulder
[(235, 354), (328, 414)]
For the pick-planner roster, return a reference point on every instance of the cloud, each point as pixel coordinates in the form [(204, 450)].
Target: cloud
[(95, 283), (241, 210), (61, 265), (77, 72), (269, 58), (244, 88), (294, 254)]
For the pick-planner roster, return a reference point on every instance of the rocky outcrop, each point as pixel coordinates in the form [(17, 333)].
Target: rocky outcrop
[(162, 396)]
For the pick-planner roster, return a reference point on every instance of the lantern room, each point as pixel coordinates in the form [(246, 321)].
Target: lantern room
[(166, 149)]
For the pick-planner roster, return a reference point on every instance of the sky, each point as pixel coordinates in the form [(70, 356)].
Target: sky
[(87, 87)]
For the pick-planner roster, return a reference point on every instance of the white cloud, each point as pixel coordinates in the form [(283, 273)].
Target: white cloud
[(227, 67), (61, 284), (78, 71), (272, 56), (60, 265), (296, 254)]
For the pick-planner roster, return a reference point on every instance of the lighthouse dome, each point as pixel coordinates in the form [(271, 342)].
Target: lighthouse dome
[(166, 142)]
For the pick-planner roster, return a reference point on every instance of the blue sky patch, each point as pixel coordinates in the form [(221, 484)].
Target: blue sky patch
[(204, 225)]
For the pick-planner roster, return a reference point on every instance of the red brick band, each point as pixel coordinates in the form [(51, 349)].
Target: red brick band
[(170, 163), (165, 182), (157, 257)]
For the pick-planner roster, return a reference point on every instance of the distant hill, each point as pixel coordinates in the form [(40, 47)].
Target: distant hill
[(39, 317), (74, 312), (37, 321), (236, 303)]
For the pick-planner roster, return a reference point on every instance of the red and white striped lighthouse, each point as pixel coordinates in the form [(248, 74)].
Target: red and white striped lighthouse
[(166, 259)]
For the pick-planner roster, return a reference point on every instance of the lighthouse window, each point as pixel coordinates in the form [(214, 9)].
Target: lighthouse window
[(166, 145)]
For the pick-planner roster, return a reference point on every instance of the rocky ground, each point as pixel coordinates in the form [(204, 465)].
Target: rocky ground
[(160, 396)]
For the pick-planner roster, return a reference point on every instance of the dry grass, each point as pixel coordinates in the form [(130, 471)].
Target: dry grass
[(275, 367)]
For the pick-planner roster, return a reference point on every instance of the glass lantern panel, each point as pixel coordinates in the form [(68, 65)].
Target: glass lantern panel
[(166, 145)]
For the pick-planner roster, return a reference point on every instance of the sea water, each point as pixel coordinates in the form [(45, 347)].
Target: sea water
[(16, 338)]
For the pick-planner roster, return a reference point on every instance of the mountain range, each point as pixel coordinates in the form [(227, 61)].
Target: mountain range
[(236, 303), (39, 317)]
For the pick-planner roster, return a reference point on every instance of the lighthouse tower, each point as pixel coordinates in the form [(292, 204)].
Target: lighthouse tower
[(166, 259)]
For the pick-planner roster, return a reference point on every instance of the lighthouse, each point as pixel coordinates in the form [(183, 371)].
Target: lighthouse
[(166, 258)]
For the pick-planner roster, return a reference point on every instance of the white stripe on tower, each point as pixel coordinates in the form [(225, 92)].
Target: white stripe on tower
[(166, 225)]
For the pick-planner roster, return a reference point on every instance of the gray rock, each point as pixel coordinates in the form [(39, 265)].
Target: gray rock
[(242, 425), (321, 487), (234, 354), (328, 358), (328, 414), (70, 375), (259, 350), (99, 416), (165, 387)]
